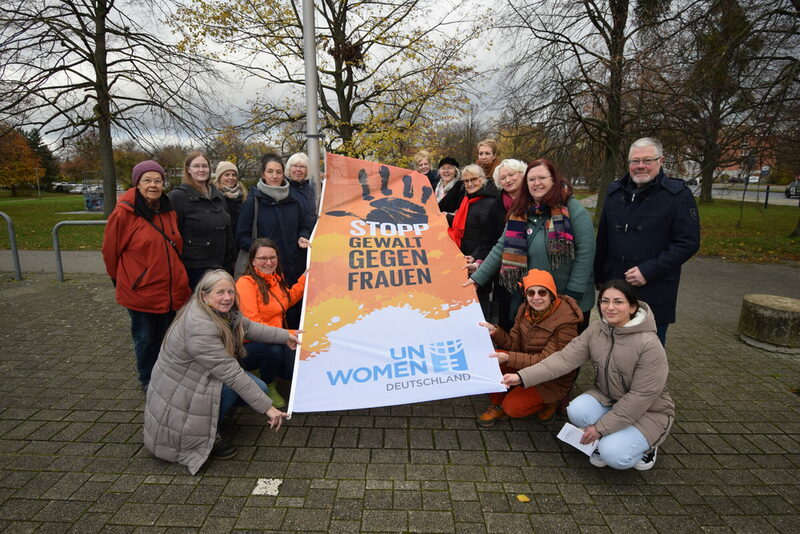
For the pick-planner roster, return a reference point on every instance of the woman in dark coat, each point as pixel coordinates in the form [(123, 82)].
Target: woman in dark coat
[(476, 227), (226, 179), (509, 178), (280, 217), (449, 191), (203, 220)]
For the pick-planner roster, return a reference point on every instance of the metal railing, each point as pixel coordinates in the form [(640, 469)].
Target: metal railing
[(57, 246), (12, 241)]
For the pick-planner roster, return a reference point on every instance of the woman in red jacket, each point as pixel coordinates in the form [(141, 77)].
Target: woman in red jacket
[(265, 297), (142, 252)]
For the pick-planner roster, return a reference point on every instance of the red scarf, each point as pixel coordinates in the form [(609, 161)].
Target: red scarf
[(456, 230)]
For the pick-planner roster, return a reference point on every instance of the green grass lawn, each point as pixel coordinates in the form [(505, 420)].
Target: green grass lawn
[(760, 239), (34, 219)]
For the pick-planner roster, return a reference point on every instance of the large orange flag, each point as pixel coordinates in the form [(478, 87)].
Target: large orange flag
[(385, 318)]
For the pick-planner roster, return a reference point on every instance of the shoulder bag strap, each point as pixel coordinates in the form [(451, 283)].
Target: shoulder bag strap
[(160, 231)]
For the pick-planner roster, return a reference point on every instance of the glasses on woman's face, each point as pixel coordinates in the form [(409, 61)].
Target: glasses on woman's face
[(533, 292), (266, 259), (534, 179), (470, 181)]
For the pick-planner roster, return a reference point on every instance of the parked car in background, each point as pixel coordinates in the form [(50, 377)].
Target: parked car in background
[(691, 181), (793, 189), (736, 180)]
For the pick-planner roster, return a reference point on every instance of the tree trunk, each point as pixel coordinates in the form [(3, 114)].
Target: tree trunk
[(614, 122), (103, 110), (796, 231)]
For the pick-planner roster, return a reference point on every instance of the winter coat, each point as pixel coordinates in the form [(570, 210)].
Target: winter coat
[(433, 178), (529, 343), (451, 201), (206, 227), (233, 206), (147, 271), (655, 227), (283, 222), (631, 374), (482, 226), (182, 408), (272, 313), (575, 277), (304, 193)]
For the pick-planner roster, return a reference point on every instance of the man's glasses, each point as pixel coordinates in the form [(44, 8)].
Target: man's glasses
[(646, 161)]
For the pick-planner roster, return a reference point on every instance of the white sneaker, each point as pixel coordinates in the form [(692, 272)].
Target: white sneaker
[(596, 460), (648, 461)]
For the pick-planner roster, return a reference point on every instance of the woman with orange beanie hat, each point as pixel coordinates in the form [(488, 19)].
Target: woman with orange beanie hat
[(544, 324)]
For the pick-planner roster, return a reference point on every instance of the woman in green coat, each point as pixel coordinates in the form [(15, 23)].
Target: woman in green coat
[(547, 229)]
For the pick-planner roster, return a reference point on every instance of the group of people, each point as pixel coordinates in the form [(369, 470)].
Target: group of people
[(530, 249), (533, 257), (197, 332)]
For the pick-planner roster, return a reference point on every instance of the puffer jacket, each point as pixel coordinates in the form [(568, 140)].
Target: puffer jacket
[(631, 374), (529, 343), (272, 313), (206, 227), (182, 408), (147, 271)]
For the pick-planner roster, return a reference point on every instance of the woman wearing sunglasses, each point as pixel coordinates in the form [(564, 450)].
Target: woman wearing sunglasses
[(545, 323)]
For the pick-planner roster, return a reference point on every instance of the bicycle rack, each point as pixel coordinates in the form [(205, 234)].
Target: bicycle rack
[(12, 241), (57, 246)]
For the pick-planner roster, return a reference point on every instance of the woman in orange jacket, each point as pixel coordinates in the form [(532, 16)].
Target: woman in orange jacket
[(265, 297)]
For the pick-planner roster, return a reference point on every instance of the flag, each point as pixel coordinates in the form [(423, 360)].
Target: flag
[(385, 318)]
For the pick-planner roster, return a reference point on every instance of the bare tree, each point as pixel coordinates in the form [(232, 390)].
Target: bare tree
[(573, 66), (386, 69), (71, 66), (721, 92)]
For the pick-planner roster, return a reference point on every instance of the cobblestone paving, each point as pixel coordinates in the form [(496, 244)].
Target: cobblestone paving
[(71, 455)]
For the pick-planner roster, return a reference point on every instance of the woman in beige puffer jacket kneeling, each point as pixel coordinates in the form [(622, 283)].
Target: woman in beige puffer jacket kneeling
[(628, 410), (197, 377)]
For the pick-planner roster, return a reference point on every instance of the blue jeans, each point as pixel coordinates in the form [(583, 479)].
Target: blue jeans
[(271, 360), (620, 450), (148, 330), (230, 398)]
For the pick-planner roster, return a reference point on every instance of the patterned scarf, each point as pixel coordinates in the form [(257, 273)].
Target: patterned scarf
[(514, 262), (560, 241), (560, 244), (231, 192)]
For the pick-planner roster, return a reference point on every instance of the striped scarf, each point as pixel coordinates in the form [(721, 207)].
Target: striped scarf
[(560, 244)]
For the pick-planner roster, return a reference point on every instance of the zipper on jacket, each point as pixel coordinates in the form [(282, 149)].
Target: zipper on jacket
[(138, 280), (169, 268), (608, 362)]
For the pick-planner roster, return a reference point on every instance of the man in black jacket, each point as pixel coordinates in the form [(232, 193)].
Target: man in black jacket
[(648, 228)]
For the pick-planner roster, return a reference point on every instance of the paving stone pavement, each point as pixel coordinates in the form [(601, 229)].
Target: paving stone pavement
[(71, 455)]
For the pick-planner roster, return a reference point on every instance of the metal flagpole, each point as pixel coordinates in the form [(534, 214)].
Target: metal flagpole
[(312, 127)]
